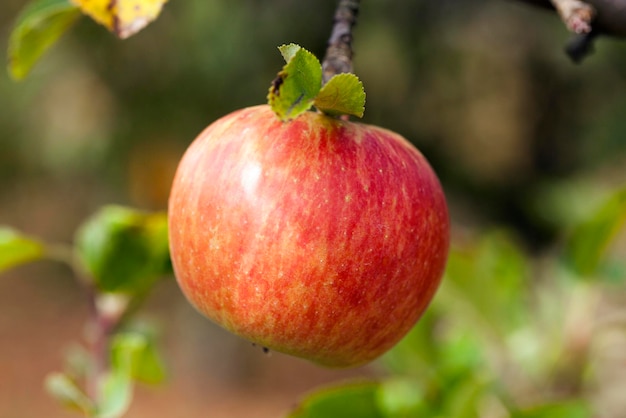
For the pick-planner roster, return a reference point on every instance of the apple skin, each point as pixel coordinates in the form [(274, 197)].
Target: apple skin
[(317, 237)]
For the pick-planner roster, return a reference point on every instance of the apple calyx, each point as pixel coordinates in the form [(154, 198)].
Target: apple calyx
[(298, 87)]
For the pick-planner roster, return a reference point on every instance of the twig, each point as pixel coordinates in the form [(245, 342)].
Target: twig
[(106, 313), (576, 14), (338, 57), (580, 46)]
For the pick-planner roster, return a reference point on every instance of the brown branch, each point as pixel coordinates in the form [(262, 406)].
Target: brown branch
[(576, 14), (338, 57)]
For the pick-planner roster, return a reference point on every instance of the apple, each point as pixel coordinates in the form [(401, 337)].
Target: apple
[(317, 237)]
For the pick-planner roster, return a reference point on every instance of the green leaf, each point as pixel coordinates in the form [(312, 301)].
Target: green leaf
[(463, 399), (124, 250), (17, 249), (133, 357), (136, 354), (295, 88), (590, 240), (343, 94), (417, 353), (402, 397), (354, 400), (486, 283), (65, 390), (289, 51), (461, 354), (38, 27), (568, 409), (116, 395)]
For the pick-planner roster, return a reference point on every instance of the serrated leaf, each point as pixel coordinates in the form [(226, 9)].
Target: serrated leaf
[(343, 94), (124, 250), (354, 400), (295, 88), (590, 240), (17, 249), (135, 354), (122, 17), (65, 390), (288, 51), (37, 28)]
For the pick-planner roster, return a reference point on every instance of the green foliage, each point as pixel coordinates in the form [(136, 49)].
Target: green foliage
[(396, 397), (484, 336), (134, 354), (493, 274), (124, 250), (590, 240), (17, 249), (355, 400), (38, 27), (133, 358), (568, 409), (342, 95), (62, 388), (43, 22), (401, 397), (298, 86), (116, 396)]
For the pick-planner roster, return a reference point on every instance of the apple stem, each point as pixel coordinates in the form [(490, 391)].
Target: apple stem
[(338, 58)]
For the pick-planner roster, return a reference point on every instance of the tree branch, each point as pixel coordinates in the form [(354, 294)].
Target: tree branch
[(576, 14), (579, 17), (338, 58)]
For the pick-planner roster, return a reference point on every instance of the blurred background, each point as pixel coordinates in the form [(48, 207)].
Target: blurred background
[(524, 141)]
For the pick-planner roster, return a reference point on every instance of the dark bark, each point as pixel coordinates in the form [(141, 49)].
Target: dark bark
[(338, 57)]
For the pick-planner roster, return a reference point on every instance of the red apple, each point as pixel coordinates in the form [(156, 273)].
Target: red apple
[(317, 237)]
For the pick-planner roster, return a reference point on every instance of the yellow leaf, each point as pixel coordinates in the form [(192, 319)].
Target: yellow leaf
[(122, 17)]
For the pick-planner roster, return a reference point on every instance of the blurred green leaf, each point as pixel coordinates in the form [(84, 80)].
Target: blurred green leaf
[(402, 397), (78, 361), (354, 400), (566, 409), (297, 84), (417, 353), (17, 249), (590, 239), (38, 27), (65, 390), (463, 399), (487, 281), (136, 354), (116, 396), (133, 357), (343, 94), (460, 354), (123, 249)]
